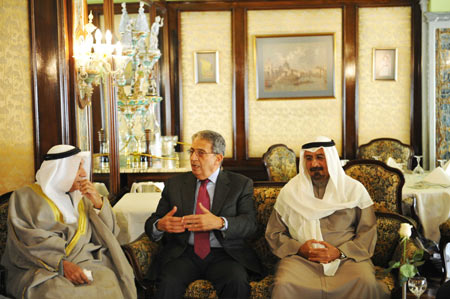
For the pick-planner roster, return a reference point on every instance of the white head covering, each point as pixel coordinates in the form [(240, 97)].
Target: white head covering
[(56, 177), (301, 211), (297, 204)]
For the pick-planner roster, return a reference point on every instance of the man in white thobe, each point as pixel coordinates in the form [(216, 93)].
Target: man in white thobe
[(324, 230), (62, 235)]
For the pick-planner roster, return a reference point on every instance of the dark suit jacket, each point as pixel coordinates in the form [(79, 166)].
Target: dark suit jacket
[(233, 199)]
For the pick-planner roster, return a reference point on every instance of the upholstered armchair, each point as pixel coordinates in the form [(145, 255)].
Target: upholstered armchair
[(384, 183), (4, 199), (142, 252), (280, 163), (385, 148)]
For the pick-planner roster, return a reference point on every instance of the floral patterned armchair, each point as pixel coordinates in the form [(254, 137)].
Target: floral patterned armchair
[(383, 183), (385, 148), (3, 233), (280, 163), (141, 252)]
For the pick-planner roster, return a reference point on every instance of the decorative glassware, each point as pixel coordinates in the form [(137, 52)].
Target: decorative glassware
[(417, 285), (441, 162), (418, 169)]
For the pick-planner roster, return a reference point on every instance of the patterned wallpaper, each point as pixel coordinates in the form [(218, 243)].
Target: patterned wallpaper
[(207, 105), (16, 115), (384, 106), (294, 122)]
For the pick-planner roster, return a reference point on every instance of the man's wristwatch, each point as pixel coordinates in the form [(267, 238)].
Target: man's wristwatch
[(342, 256)]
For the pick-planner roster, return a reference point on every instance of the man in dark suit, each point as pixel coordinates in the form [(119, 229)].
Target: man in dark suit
[(203, 218)]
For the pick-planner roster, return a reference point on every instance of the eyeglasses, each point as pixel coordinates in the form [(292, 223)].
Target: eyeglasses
[(199, 152)]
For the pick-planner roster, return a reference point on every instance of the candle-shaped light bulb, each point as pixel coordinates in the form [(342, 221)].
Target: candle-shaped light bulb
[(98, 36), (89, 42), (108, 37)]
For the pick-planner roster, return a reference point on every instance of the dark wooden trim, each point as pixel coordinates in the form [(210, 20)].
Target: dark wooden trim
[(240, 77), (34, 87), (416, 78), (176, 102), (349, 88), (71, 73), (164, 66), (208, 5), (49, 75)]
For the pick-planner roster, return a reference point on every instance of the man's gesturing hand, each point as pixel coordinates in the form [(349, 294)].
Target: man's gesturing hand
[(170, 223), (74, 273), (202, 222)]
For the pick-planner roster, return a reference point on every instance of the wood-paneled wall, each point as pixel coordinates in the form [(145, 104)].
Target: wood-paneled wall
[(54, 98)]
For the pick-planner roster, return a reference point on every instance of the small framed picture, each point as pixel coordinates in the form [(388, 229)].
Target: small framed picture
[(385, 64), (206, 65)]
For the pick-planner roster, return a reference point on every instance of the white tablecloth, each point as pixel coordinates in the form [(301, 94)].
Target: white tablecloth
[(132, 210), (433, 204)]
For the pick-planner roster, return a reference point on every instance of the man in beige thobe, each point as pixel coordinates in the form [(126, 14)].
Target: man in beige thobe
[(324, 230), (62, 235)]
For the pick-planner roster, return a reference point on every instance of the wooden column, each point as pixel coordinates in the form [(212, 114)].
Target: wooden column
[(49, 71), (349, 88)]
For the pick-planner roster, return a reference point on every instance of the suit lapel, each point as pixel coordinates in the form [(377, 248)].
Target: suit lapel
[(221, 192), (188, 195)]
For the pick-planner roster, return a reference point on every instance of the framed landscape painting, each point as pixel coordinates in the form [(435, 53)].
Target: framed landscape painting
[(299, 66)]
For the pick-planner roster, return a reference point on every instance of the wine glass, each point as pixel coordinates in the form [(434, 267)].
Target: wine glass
[(417, 285), (441, 162), (418, 169)]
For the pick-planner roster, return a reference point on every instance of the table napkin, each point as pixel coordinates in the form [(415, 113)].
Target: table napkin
[(391, 162), (438, 176), (447, 167)]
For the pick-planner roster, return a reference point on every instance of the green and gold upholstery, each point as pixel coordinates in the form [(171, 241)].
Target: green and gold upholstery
[(383, 183), (385, 148), (264, 195), (280, 163)]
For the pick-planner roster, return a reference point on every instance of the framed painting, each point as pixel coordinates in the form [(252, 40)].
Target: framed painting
[(299, 66), (385, 64), (206, 65)]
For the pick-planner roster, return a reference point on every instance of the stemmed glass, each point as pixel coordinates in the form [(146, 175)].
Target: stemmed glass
[(417, 285), (418, 169), (441, 162)]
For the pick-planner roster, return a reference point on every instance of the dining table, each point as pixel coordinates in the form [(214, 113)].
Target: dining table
[(432, 203), (131, 211)]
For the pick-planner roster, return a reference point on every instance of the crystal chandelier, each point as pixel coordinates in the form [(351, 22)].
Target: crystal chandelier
[(92, 60)]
